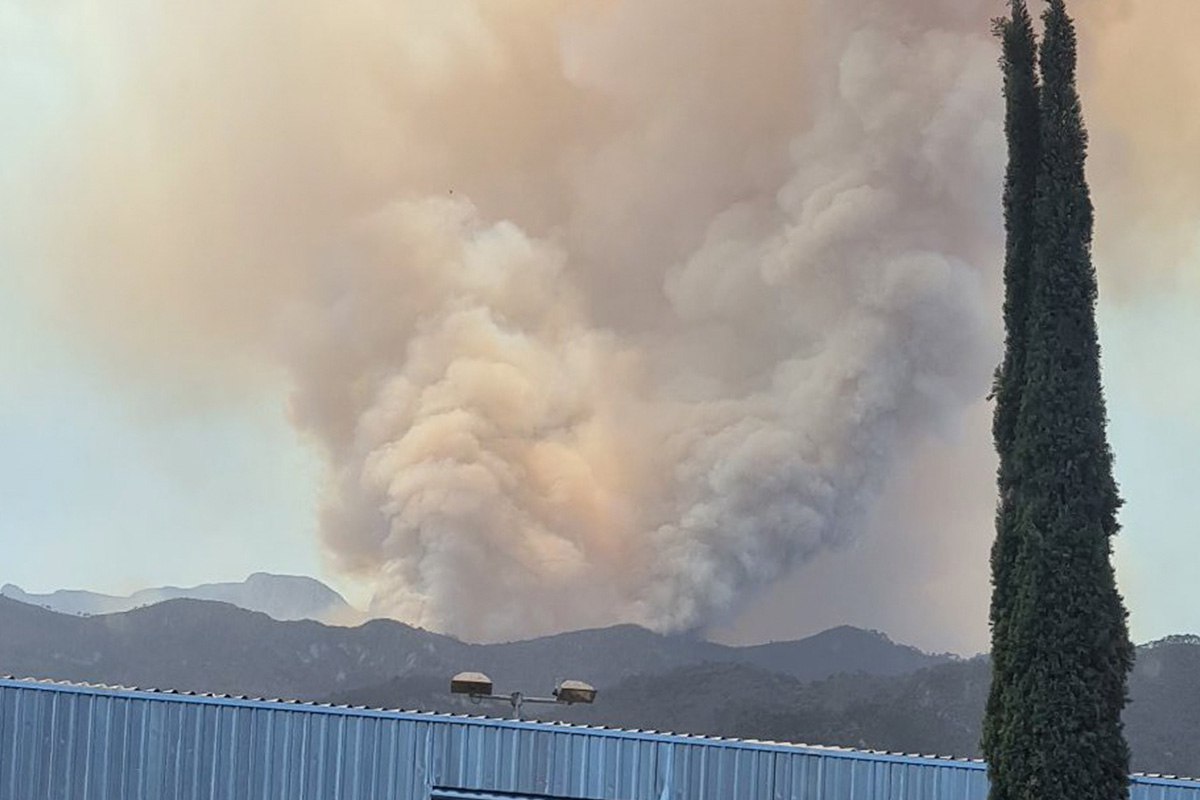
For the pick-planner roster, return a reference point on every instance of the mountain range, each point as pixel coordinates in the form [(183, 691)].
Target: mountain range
[(282, 597), (215, 647), (845, 686)]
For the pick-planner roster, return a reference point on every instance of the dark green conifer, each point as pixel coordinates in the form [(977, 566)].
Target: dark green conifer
[(1019, 65), (1065, 653)]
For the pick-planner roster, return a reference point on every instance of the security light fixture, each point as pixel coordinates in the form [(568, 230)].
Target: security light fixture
[(472, 683), (478, 687), (575, 692)]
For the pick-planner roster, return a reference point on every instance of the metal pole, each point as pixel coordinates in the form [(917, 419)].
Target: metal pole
[(517, 699)]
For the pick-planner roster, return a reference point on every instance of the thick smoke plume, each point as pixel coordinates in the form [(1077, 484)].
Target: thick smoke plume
[(597, 309)]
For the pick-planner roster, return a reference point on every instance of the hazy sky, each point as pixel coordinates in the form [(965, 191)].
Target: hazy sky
[(120, 470)]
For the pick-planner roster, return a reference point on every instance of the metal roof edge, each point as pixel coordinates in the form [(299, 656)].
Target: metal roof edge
[(1155, 779)]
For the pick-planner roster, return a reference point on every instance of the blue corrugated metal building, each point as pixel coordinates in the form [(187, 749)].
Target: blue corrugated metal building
[(75, 742)]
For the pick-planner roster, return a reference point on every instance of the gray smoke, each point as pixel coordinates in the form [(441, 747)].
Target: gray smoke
[(598, 311), (652, 397)]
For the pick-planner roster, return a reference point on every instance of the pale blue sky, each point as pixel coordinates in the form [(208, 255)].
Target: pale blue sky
[(93, 494), (101, 488), (1153, 382)]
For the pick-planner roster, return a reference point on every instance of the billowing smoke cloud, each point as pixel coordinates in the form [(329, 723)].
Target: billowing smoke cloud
[(598, 309), (522, 460)]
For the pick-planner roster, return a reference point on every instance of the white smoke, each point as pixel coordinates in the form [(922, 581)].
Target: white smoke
[(528, 457), (598, 310)]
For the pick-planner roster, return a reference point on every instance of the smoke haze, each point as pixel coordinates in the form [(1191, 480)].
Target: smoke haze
[(597, 310)]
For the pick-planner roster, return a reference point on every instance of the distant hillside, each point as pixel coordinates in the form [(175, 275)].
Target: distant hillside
[(281, 597), (845, 686), (1165, 713), (839, 650), (198, 645), (203, 646), (936, 710)]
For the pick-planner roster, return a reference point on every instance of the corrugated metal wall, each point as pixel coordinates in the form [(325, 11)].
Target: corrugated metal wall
[(83, 743)]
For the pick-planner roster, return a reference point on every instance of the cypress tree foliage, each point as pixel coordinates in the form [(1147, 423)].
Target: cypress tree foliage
[(1021, 124), (1066, 653)]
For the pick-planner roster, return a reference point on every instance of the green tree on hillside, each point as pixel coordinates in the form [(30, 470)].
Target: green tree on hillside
[(1021, 124), (1059, 629)]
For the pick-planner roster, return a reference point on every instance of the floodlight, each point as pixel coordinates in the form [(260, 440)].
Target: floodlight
[(479, 687), (472, 683), (574, 692)]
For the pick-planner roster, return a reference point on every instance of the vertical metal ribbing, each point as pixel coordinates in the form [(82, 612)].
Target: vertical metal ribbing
[(78, 743)]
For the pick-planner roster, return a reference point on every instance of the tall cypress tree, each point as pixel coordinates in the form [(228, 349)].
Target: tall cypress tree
[(1021, 125), (1066, 653)]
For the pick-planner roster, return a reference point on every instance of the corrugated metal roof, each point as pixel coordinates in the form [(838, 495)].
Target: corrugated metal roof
[(247, 701), (70, 740)]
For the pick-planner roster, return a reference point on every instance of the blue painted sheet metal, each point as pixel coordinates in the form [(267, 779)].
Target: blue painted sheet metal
[(98, 743)]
